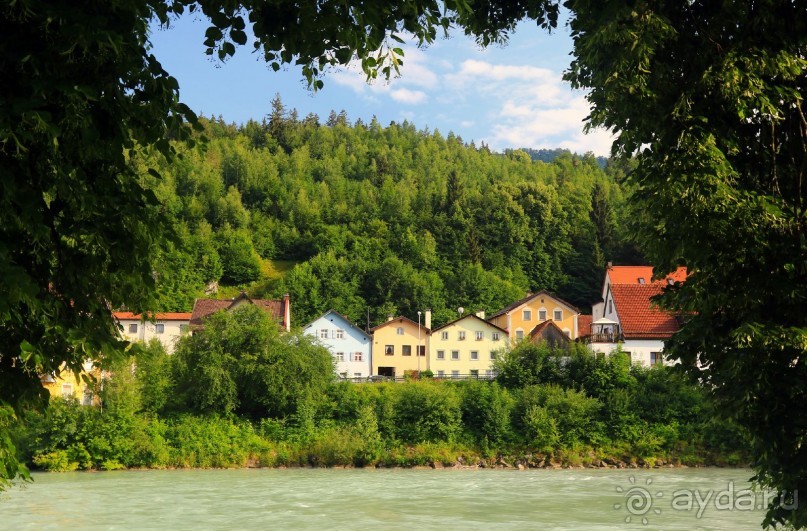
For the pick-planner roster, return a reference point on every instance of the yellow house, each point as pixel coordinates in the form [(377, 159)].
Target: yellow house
[(465, 347), (66, 385), (521, 317), (400, 346)]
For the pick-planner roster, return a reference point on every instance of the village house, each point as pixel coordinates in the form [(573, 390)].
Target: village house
[(466, 347), (521, 317), (167, 328), (628, 318), (349, 345), (400, 345), (279, 310)]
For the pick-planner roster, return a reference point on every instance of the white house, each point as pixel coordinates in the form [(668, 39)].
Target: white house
[(350, 346), (166, 327), (628, 317)]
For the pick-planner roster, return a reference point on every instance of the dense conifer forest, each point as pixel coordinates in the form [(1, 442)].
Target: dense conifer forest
[(372, 220)]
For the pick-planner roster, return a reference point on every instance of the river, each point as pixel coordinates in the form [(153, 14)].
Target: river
[(591, 499)]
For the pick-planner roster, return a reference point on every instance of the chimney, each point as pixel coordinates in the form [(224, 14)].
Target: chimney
[(286, 312), (390, 317), (428, 319), (480, 314), (609, 265)]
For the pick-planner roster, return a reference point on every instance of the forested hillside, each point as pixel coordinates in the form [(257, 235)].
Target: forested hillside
[(358, 217)]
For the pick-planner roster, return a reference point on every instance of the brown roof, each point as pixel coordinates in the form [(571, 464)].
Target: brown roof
[(632, 274), (550, 331), (398, 319), (584, 325), (638, 317), (475, 317), (529, 297), (166, 316), (202, 308)]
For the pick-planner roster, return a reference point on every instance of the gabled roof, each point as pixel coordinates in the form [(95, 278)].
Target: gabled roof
[(204, 307), (550, 331), (165, 316), (632, 274), (528, 298), (399, 319), (638, 317), (474, 316), (584, 325), (345, 319)]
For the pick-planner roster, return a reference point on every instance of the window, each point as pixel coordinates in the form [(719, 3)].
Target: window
[(527, 315), (461, 335), (323, 334), (340, 334), (67, 390), (421, 350), (480, 336), (488, 374), (160, 328), (444, 336), (610, 306), (340, 356), (455, 375), (357, 375), (495, 336), (558, 315), (441, 374), (493, 354), (670, 282), (358, 356), (656, 358), (474, 355), (133, 328), (406, 350), (441, 354), (389, 350), (86, 400), (343, 375), (519, 334), (455, 354), (399, 330), (474, 374), (542, 315), (183, 329)]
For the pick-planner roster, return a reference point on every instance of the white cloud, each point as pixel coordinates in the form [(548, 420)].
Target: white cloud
[(411, 97)]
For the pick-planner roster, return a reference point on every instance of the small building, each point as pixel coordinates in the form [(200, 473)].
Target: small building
[(165, 327), (466, 348), (550, 333), (627, 316), (521, 317), (399, 346), (279, 310), (66, 385), (349, 345)]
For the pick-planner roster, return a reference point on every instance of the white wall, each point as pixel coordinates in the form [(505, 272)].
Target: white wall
[(639, 349), (146, 331)]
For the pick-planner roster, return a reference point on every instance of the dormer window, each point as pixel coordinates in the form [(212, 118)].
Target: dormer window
[(670, 282), (641, 280)]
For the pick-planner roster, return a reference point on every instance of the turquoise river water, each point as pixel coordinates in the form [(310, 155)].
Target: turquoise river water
[(590, 499)]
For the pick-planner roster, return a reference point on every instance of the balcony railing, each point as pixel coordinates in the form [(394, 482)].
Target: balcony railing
[(605, 337)]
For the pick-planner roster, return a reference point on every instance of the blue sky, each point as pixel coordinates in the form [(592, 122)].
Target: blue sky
[(508, 97)]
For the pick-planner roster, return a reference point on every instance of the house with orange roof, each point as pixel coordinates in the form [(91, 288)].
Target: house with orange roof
[(166, 327), (522, 316), (279, 310), (628, 317)]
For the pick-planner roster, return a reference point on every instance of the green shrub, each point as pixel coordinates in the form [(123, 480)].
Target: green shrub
[(56, 461)]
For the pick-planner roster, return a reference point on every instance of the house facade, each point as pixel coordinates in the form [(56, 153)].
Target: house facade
[(521, 317), (400, 346), (349, 345), (628, 318), (279, 310), (66, 385), (165, 327), (466, 347)]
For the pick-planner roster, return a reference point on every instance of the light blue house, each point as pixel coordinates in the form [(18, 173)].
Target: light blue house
[(348, 343)]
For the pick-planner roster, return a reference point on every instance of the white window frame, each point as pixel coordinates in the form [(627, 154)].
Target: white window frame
[(399, 330), (519, 334), (323, 334), (358, 356), (461, 335), (132, 328), (340, 356), (444, 336), (455, 355), (495, 336), (441, 354), (526, 315), (480, 335), (159, 328), (340, 334), (542, 314), (474, 355), (555, 314)]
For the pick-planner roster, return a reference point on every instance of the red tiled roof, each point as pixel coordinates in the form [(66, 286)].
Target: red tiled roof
[(638, 317), (399, 319), (632, 274), (166, 316), (584, 325), (204, 307)]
